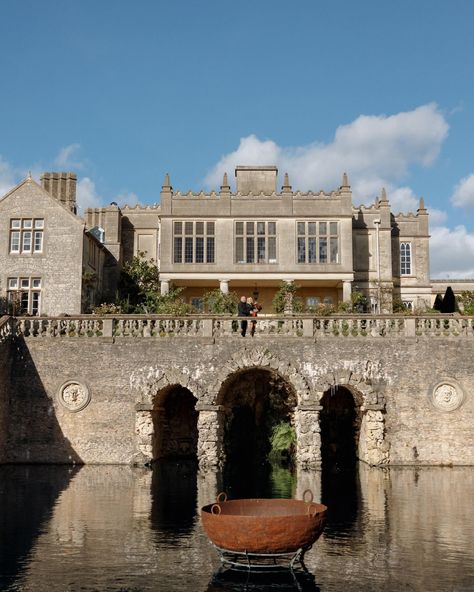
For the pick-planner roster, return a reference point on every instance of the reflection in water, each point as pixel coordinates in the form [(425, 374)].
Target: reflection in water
[(262, 480), (117, 528), (173, 495), (27, 496), (229, 580)]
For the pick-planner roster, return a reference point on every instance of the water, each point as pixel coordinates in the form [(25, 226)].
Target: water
[(116, 528)]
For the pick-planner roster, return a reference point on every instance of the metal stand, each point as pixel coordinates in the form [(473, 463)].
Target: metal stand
[(263, 561)]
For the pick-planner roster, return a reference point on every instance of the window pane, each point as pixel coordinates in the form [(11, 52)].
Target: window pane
[(239, 228), (188, 249), (301, 250), (323, 250), (239, 250), (333, 228), (334, 250), (25, 282), (312, 228), (301, 226), (250, 228), (323, 228), (210, 228), (13, 283), (36, 282), (260, 227), (199, 227), (250, 250), (39, 223), (312, 249), (261, 249), (188, 228), (199, 249), (15, 242), (27, 241), (35, 300), (178, 228), (272, 251), (272, 228), (24, 302), (210, 249), (16, 223), (178, 249), (38, 241), (28, 223)]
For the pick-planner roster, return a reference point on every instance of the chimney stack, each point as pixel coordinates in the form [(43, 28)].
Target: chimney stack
[(61, 186)]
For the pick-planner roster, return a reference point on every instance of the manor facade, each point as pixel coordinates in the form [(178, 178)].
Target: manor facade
[(248, 241)]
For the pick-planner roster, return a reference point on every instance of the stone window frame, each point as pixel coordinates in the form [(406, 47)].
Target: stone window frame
[(194, 244), (26, 236), (406, 258), (26, 291), (249, 238), (309, 234)]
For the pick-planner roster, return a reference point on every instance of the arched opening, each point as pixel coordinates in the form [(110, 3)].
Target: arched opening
[(256, 403), (175, 433), (340, 427)]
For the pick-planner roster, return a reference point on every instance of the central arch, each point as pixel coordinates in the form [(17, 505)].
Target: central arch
[(254, 401)]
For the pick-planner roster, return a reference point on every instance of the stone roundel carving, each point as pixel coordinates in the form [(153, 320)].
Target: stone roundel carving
[(447, 395), (74, 395)]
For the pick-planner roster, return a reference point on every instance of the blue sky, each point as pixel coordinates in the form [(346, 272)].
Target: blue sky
[(122, 92)]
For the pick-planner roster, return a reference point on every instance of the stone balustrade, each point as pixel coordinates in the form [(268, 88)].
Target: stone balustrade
[(216, 327), (6, 328)]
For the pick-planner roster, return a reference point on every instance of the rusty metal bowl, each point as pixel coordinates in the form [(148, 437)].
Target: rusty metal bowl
[(264, 526)]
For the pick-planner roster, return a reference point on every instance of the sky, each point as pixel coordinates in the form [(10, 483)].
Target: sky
[(123, 91)]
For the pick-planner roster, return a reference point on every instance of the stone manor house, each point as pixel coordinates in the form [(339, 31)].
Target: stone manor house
[(53, 262)]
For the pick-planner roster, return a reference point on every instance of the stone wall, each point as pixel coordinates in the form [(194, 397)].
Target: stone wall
[(89, 399), (5, 374)]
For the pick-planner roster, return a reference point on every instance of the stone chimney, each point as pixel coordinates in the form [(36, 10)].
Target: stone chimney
[(61, 186), (256, 179)]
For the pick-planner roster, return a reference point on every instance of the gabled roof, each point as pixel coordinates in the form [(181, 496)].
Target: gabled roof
[(29, 179)]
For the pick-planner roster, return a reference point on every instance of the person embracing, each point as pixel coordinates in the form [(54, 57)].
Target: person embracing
[(255, 308), (244, 310)]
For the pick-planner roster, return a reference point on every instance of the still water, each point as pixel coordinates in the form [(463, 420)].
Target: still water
[(113, 528)]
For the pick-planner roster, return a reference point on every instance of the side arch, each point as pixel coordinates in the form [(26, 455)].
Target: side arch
[(151, 388), (369, 401)]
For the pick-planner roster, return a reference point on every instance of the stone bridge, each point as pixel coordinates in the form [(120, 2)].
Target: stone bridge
[(132, 389)]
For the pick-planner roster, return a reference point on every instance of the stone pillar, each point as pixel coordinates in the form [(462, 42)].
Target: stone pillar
[(346, 290), (164, 287), (373, 448), (144, 436), (224, 286), (211, 436), (308, 436), (289, 299)]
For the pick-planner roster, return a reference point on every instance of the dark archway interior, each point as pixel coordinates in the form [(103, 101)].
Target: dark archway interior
[(339, 428), (255, 401), (175, 424)]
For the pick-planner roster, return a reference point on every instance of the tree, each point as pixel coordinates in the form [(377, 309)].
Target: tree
[(438, 303), (467, 301), (449, 303), (219, 303)]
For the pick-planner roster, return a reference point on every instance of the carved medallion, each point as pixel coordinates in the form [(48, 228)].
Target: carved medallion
[(74, 395), (447, 396)]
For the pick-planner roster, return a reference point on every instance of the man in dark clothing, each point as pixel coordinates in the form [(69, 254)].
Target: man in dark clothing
[(244, 311)]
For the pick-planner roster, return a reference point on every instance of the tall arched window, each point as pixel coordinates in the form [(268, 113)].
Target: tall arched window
[(405, 259)]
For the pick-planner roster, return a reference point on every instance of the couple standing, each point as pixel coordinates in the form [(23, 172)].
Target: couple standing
[(248, 308)]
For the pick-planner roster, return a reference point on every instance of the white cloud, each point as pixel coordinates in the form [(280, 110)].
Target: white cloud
[(463, 195), (437, 217), (451, 252), (86, 194), (130, 199), (375, 151), (67, 158)]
